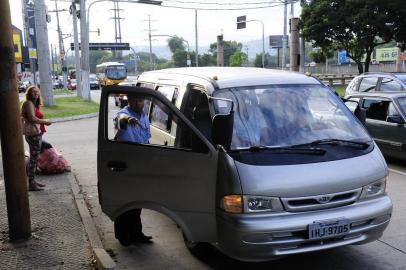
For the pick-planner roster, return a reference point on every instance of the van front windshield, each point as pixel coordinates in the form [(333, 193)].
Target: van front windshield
[(287, 115)]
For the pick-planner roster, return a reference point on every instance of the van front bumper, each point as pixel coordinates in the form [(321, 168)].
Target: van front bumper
[(262, 237)]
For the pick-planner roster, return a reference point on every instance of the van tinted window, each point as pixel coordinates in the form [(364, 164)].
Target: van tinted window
[(376, 109)]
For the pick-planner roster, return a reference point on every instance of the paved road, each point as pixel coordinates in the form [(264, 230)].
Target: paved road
[(78, 141)]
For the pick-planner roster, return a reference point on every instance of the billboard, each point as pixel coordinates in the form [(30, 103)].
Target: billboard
[(342, 57), (387, 54), (17, 38)]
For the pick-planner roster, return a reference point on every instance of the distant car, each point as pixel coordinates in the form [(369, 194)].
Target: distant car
[(385, 119), (57, 84), (377, 81), (22, 85), (72, 84), (93, 82)]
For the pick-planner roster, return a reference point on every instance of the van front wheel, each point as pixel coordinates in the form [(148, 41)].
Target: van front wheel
[(194, 247)]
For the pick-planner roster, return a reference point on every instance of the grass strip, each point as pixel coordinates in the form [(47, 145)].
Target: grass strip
[(69, 106)]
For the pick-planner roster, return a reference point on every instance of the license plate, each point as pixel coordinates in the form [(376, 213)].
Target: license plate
[(328, 228)]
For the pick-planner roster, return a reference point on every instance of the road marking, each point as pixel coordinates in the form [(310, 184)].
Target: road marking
[(397, 171)]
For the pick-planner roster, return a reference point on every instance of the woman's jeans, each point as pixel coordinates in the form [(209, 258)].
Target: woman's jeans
[(34, 143)]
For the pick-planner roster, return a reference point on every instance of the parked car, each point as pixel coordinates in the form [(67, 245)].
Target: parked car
[(385, 119), (57, 84), (257, 162), (22, 85), (377, 81), (72, 84), (93, 82)]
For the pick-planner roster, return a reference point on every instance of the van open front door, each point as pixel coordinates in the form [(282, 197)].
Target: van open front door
[(177, 179)]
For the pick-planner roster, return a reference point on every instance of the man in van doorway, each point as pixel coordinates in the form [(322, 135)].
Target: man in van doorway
[(132, 126)]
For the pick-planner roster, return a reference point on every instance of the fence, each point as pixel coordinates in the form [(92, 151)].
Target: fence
[(351, 68)]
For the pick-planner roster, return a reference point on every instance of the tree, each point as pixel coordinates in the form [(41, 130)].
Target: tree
[(229, 47), (176, 43), (207, 60), (258, 60), (238, 59), (355, 26)]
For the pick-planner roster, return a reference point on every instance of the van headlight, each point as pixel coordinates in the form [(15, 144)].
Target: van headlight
[(250, 204), (374, 189)]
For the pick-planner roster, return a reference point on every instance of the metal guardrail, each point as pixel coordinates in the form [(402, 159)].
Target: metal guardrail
[(335, 79)]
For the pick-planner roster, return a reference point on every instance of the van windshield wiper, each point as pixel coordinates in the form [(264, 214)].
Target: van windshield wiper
[(285, 150), (348, 143)]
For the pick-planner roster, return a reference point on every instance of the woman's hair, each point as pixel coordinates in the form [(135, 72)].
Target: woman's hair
[(38, 102)]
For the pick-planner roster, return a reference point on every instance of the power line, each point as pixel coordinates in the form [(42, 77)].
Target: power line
[(220, 8), (228, 3)]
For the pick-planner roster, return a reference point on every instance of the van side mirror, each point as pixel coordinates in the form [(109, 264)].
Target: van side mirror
[(361, 114), (222, 130)]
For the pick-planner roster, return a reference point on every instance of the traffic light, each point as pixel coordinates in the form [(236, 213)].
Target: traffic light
[(241, 22)]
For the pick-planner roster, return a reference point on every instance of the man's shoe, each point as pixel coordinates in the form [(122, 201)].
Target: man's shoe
[(142, 238), (39, 184), (33, 186)]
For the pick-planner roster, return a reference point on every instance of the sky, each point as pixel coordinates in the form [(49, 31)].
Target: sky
[(170, 21)]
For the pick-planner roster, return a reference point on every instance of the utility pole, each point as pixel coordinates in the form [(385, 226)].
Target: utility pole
[(399, 59), (52, 60), (61, 47), (117, 28), (150, 42), (220, 51), (248, 62), (294, 44), (30, 39), (302, 49), (284, 38), (12, 147), (84, 34), (197, 47), (44, 66), (76, 47)]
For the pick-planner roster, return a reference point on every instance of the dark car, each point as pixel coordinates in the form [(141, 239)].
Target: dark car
[(385, 119), (93, 82), (377, 81)]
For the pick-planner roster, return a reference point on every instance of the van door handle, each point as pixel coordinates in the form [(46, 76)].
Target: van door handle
[(117, 166)]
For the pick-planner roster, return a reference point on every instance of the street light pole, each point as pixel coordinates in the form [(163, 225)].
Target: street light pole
[(263, 40)]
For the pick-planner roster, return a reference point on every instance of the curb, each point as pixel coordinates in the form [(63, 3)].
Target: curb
[(102, 258), (76, 117)]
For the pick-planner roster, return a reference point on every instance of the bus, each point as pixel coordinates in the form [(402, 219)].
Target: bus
[(111, 73)]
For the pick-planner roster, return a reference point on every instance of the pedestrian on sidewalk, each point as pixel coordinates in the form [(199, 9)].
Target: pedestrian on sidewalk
[(32, 115)]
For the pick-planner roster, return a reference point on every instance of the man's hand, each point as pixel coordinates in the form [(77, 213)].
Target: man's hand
[(132, 121)]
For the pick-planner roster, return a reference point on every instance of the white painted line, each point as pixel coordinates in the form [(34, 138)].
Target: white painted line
[(396, 171)]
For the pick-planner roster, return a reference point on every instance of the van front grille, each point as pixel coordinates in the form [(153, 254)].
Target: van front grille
[(323, 201)]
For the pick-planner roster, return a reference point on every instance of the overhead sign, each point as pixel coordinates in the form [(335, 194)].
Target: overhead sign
[(241, 22), (106, 46), (386, 54), (276, 41), (342, 57)]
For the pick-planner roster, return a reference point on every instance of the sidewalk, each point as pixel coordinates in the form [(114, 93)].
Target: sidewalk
[(58, 240)]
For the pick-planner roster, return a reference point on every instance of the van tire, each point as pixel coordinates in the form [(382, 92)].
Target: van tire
[(195, 248)]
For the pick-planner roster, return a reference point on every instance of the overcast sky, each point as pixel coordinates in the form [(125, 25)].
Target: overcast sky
[(170, 21)]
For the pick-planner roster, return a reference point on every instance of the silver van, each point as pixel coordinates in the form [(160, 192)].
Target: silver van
[(259, 163)]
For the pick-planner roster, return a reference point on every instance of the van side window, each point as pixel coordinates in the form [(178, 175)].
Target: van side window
[(368, 84), (376, 109), (352, 87), (152, 129)]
